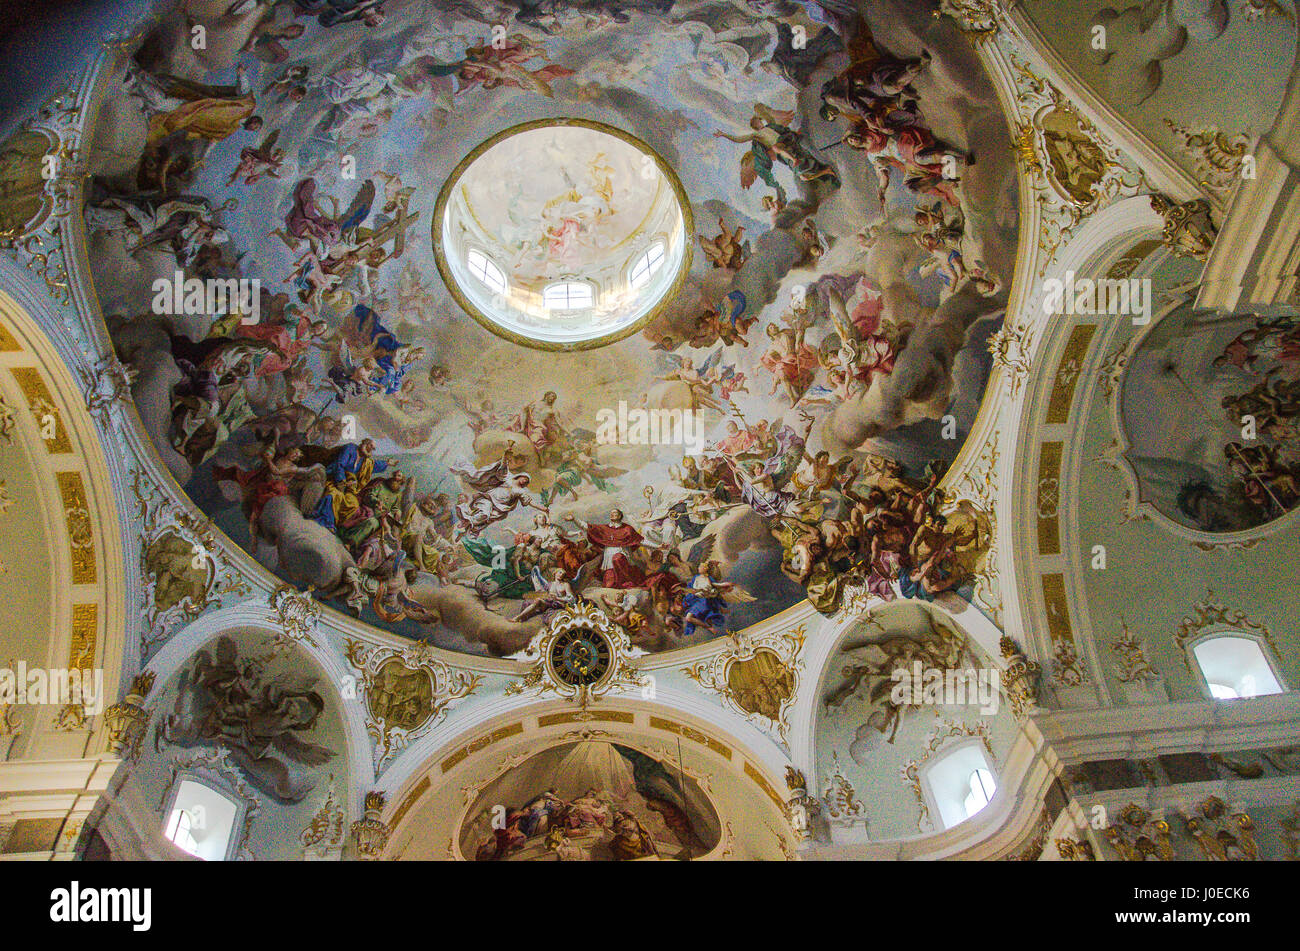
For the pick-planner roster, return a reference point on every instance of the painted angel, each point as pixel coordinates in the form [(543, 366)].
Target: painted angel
[(505, 65), (727, 380), (726, 250), (704, 605), (791, 362), (774, 141), (258, 163), (862, 355), (697, 379), (725, 322), (872, 76), (368, 358), (307, 221)]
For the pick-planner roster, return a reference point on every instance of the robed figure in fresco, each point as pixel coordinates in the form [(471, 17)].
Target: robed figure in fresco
[(615, 540)]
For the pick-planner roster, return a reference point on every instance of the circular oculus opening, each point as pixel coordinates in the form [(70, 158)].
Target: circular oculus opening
[(562, 234)]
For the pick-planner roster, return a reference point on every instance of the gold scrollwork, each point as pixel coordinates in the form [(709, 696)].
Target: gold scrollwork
[(81, 533), (979, 20), (1133, 666), (181, 575), (590, 630), (296, 612), (757, 677), (406, 691), (841, 800), (1138, 836)]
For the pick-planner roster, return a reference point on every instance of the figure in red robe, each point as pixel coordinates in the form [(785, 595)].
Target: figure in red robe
[(288, 341), (616, 541)]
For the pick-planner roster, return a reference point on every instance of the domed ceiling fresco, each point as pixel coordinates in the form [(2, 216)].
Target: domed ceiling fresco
[(266, 213), (1209, 409)]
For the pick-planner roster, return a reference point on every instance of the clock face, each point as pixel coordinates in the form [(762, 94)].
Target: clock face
[(580, 657)]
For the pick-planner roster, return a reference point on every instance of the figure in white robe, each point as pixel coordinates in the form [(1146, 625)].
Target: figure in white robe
[(497, 493)]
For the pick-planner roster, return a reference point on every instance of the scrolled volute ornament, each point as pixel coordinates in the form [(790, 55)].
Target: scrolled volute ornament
[(1019, 679), (370, 833)]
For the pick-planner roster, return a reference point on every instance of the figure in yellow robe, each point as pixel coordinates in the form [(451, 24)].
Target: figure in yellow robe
[(344, 500), (211, 119)]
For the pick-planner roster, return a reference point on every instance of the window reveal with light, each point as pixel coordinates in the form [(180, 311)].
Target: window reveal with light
[(562, 234)]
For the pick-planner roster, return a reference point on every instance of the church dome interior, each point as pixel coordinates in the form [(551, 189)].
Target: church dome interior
[(650, 430)]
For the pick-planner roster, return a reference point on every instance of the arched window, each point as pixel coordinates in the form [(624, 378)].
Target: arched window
[(569, 295), (981, 792), (645, 266), (958, 783), (180, 830), (202, 820), (486, 270), (1235, 666)]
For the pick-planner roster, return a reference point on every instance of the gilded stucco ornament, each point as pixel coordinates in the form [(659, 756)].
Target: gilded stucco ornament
[(180, 573), (1221, 835), (1210, 615), (580, 655), (1133, 666), (1032, 850), (1019, 679), (107, 385), (7, 422), (1075, 850), (787, 851), (1139, 836), (855, 600), (1291, 832), (803, 808), (977, 489), (1010, 354), (371, 833), (297, 613), (1073, 168), (1265, 10), (1049, 496), (127, 721), (81, 529), (1062, 151), (1068, 669), (9, 725), (326, 833), (757, 677), (843, 807), (6, 503), (1188, 227), (979, 20), (1217, 157), (35, 237), (1112, 370), (406, 692)]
